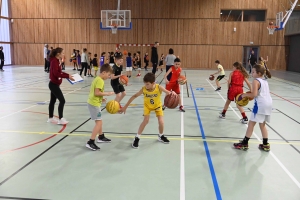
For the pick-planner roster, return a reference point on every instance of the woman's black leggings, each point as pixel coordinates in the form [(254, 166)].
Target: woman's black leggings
[(84, 66), (56, 94)]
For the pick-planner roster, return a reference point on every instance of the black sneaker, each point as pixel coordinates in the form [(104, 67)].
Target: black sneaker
[(163, 139), (218, 89), (135, 143), (164, 107), (244, 120), (102, 139), (92, 146), (181, 109)]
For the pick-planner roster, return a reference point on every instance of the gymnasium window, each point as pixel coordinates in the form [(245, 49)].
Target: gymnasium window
[(5, 32), (242, 15)]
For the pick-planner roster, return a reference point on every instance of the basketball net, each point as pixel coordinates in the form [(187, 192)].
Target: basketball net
[(271, 29), (114, 29)]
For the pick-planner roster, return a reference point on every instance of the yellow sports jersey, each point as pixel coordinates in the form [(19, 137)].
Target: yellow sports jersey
[(96, 100), (152, 99), (222, 72)]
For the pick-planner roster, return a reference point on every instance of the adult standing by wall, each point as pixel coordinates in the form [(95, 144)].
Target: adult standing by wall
[(84, 61), (154, 57), (46, 56), (1, 59), (252, 61), (170, 62), (56, 75)]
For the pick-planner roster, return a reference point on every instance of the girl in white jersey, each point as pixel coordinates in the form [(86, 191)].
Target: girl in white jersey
[(261, 111)]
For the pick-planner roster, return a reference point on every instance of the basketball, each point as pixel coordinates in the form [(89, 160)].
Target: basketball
[(271, 23), (123, 80), (241, 101), (125, 52), (181, 80), (211, 77), (171, 101), (112, 107), (250, 99)]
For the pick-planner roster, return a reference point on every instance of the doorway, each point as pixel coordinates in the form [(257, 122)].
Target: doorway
[(246, 54)]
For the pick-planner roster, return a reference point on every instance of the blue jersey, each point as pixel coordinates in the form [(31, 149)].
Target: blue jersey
[(128, 62), (102, 58)]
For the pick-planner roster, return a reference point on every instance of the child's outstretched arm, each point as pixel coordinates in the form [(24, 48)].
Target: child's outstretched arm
[(98, 93), (139, 93), (253, 94), (165, 77), (165, 90), (229, 80), (218, 72), (248, 83)]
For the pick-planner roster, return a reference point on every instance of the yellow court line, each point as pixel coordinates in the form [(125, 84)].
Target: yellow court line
[(145, 137)]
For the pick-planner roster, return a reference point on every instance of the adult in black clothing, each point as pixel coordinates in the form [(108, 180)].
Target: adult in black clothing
[(252, 61), (1, 59), (154, 57)]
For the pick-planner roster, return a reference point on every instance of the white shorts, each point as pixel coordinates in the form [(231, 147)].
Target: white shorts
[(128, 69), (95, 112), (259, 118)]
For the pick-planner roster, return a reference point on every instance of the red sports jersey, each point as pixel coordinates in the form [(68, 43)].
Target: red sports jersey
[(237, 78), (175, 74)]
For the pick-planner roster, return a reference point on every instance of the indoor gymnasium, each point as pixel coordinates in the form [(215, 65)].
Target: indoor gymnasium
[(150, 99)]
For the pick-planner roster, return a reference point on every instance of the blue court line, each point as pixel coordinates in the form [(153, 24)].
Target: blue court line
[(211, 166)]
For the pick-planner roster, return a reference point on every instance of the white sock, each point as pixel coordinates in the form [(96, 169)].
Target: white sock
[(160, 134), (137, 135)]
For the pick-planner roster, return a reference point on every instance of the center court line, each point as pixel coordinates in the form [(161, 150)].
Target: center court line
[(37, 105), (270, 152), (209, 160), (182, 168)]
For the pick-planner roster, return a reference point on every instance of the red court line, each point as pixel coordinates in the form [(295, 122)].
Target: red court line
[(61, 130), (285, 99)]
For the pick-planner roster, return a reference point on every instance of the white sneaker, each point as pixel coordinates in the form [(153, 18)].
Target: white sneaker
[(52, 120), (62, 121)]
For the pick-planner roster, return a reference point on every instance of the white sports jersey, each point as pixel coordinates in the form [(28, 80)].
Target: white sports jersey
[(263, 101)]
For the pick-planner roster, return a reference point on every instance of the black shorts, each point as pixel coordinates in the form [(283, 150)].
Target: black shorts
[(89, 67), (220, 77), (118, 88)]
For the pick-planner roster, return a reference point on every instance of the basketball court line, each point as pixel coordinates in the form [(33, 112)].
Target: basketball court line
[(270, 152), (19, 198), (182, 166), (19, 170), (207, 153)]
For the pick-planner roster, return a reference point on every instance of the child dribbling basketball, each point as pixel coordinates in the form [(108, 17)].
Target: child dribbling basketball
[(235, 87), (117, 72), (94, 102), (221, 73), (261, 111), (152, 102), (173, 83)]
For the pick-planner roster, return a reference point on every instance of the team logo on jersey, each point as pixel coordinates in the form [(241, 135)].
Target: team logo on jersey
[(151, 95)]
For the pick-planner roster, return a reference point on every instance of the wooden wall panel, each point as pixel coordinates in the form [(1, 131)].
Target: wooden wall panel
[(191, 27)]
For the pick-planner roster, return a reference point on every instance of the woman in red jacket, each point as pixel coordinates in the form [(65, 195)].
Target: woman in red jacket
[(56, 76)]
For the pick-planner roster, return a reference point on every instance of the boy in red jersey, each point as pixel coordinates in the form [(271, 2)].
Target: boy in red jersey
[(173, 83), (235, 87)]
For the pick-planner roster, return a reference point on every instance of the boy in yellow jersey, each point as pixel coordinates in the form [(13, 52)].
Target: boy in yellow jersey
[(94, 102), (152, 102), (221, 73)]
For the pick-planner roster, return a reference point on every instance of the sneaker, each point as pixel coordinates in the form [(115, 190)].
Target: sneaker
[(135, 143), (218, 89), (52, 120), (74, 69), (103, 139), (264, 147), (222, 116), (91, 75), (62, 121), (241, 146), (138, 75), (163, 139), (244, 120), (181, 109), (92, 146), (164, 107)]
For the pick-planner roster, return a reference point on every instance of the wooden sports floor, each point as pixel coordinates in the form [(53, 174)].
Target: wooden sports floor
[(39, 160)]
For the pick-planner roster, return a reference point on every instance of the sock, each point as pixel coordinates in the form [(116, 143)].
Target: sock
[(224, 112), (244, 115), (245, 140), (160, 134), (265, 141), (91, 141), (137, 135)]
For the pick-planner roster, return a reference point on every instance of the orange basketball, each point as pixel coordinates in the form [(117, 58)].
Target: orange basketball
[(250, 99), (125, 52), (181, 80), (123, 80), (211, 77), (171, 101)]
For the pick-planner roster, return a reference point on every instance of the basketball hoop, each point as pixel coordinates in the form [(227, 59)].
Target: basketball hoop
[(272, 29), (114, 28)]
